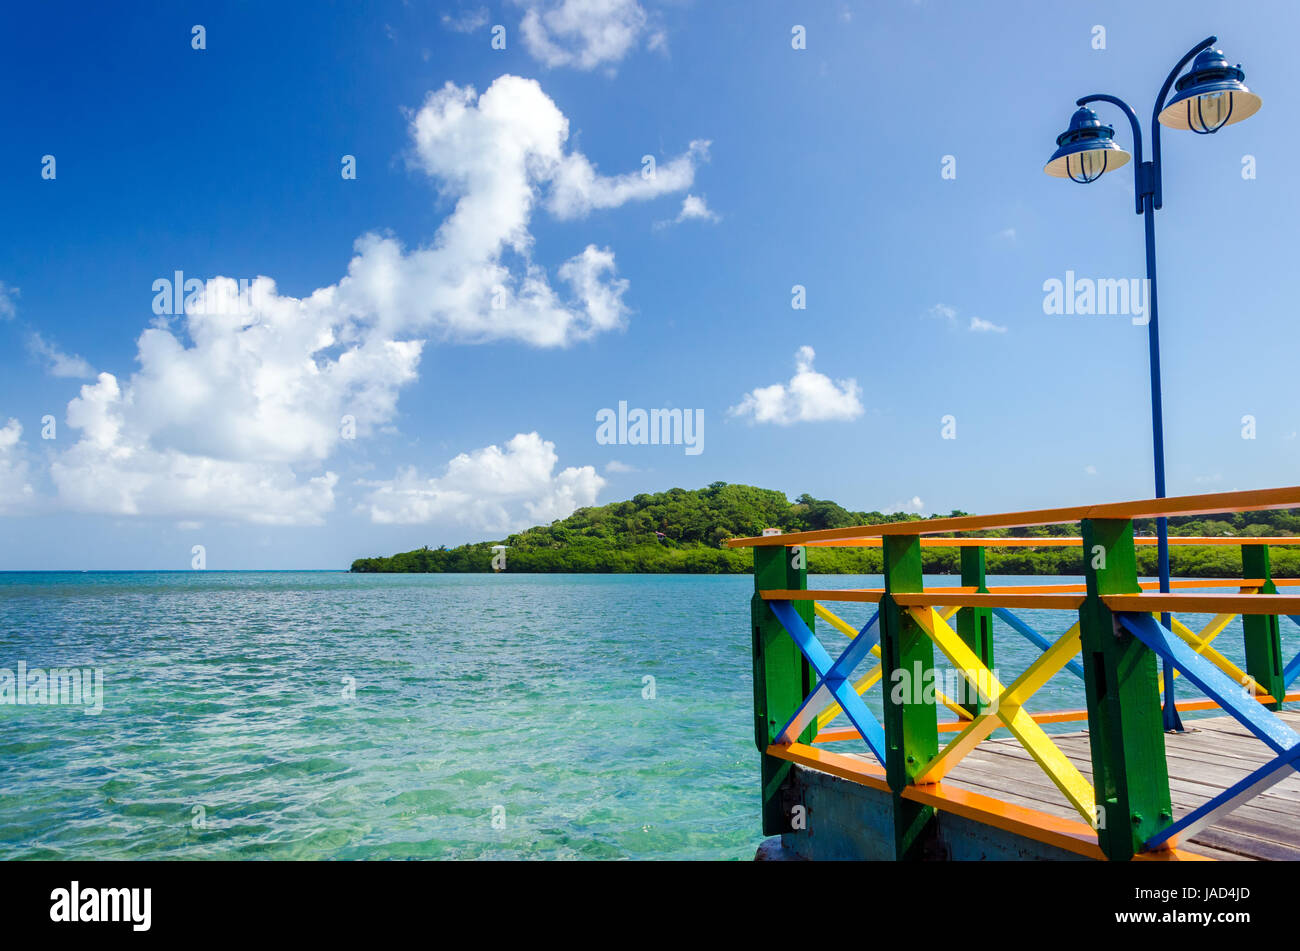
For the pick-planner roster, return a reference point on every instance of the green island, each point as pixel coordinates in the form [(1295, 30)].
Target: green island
[(683, 531)]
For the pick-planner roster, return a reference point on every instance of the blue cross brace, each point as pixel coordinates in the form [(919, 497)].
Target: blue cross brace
[(834, 682), (1229, 695)]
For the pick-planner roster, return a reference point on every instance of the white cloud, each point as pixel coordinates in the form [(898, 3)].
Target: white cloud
[(16, 493), (694, 208), (269, 384), (615, 467), (466, 21), (577, 187), (496, 152), (115, 469), (808, 397), (976, 325), (490, 489), (913, 505), (583, 34), (1008, 234), (238, 404), (979, 325), (57, 362), (1090, 470), (8, 295)]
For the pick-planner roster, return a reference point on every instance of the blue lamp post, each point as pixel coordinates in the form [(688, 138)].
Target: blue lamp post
[(1211, 95)]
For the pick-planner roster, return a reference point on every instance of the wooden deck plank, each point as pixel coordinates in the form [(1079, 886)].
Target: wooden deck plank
[(1283, 798), (1246, 846)]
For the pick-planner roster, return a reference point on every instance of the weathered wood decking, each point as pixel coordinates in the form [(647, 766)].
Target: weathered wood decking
[(1214, 754)]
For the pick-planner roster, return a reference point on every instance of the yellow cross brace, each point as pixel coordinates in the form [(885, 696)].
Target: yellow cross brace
[(1201, 644), (1006, 709)]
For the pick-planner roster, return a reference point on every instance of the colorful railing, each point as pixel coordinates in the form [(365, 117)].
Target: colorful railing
[(800, 690)]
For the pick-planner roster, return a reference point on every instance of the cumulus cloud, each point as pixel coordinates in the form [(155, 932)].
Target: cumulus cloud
[(913, 505), (492, 489), (980, 325), (808, 397), (583, 34), (56, 361), (114, 468), (239, 403), (16, 493), (498, 152)]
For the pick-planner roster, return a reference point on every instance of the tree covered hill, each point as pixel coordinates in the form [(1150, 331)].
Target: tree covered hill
[(684, 531)]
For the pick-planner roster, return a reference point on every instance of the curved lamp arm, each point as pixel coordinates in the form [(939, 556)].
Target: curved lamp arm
[(1160, 104), (1137, 139)]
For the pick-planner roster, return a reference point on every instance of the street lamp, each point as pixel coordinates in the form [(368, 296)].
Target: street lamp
[(1086, 150), (1211, 95)]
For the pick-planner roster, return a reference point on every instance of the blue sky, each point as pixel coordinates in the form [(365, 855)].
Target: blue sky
[(501, 269)]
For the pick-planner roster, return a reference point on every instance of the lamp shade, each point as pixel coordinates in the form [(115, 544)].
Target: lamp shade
[(1211, 95), (1086, 150)]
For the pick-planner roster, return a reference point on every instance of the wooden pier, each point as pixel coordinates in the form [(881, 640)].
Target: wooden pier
[(1121, 789)]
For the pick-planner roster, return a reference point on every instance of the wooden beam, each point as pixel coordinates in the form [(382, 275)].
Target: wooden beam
[(1055, 602), (868, 595), (1153, 602), (1210, 504), (1060, 541)]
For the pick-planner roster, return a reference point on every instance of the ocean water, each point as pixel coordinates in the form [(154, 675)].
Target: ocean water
[(328, 715)]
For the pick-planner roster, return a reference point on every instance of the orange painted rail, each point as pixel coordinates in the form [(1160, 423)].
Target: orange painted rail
[(869, 595), (957, 596), (1211, 504), (1068, 601), (1056, 541), (1152, 602), (1145, 585)]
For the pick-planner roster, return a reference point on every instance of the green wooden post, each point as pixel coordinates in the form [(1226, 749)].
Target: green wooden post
[(1125, 729), (911, 725), (975, 625), (782, 675), (1262, 632)]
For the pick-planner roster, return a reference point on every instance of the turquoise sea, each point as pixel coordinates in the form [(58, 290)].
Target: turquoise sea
[(330, 715)]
